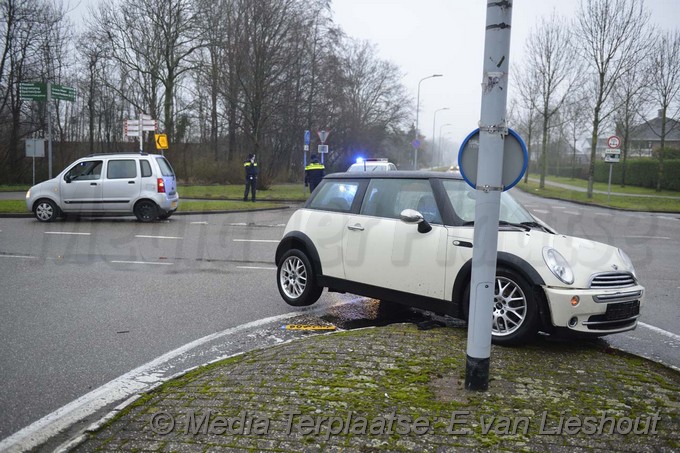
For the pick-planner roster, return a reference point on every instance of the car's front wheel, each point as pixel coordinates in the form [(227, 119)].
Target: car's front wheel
[(296, 280), (46, 211), (515, 308)]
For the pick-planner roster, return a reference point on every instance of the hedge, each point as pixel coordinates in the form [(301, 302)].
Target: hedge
[(642, 173)]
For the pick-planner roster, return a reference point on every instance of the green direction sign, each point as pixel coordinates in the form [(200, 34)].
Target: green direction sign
[(63, 93), (36, 91)]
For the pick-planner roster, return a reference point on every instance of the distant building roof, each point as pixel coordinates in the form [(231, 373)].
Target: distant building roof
[(651, 130)]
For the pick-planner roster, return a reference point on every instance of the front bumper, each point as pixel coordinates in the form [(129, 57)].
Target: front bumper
[(598, 311)]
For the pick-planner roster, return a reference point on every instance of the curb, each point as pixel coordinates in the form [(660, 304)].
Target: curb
[(11, 215)]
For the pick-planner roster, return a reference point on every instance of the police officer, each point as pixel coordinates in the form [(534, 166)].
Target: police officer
[(251, 169), (314, 173)]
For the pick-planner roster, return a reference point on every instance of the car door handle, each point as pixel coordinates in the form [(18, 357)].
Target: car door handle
[(356, 227), (93, 183), (131, 182)]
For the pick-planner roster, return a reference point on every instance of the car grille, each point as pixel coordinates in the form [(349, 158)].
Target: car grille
[(616, 316), (612, 280)]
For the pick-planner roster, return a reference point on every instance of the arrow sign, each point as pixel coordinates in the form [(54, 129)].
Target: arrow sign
[(161, 141), (35, 91), (63, 93)]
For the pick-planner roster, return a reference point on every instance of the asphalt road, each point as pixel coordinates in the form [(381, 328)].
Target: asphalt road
[(84, 302)]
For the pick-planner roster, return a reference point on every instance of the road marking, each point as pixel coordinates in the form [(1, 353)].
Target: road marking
[(238, 224), (256, 267), (542, 211), (256, 240), (559, 207), (28, 257), (133, 382), (144, 236), (647, 237), (571, 213), (143, 262), (272, 225), (605, 214), (68, 233), (199, 223), (661, 331)]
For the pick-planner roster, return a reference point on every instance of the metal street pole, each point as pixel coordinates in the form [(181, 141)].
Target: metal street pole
[(439, 147), (49, 130), (434, 121), (415, 138), (492, 131)]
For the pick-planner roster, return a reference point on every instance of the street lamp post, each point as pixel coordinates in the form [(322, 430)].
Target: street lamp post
[(434, 121), (415, 138), (439, 146)]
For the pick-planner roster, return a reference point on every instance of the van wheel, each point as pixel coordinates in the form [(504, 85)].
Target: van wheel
[(46, 211), (515, 309), (296, 280), (146, 211)]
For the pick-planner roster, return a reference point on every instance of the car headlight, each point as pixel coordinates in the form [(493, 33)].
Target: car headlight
[(626, 260), (28, 195), (558, 265)]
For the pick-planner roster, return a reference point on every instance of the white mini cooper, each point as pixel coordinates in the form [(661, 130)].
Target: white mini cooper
[(407, 237)]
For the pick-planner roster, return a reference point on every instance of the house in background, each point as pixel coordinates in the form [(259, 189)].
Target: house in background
[(646, 137)]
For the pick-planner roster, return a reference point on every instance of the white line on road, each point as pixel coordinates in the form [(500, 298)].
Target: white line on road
[(144, 236), (256, 240), (20, 256), (143, 262), (606, 214), (136, 381), (68, 233), (647, 237), (256, 267), (199, 223), (571, 213), (661, 331), (541, 211)]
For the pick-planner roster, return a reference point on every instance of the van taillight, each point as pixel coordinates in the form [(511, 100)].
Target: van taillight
[(161, 185)]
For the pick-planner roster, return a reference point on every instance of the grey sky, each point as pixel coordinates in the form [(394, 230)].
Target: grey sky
[(425, 37)]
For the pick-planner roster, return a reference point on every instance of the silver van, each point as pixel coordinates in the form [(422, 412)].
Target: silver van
[(99, 184)]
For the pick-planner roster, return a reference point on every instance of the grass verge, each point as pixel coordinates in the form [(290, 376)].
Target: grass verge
[(275, 192)]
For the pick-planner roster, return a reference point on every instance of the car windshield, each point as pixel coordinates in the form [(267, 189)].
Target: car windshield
[(462, 198)]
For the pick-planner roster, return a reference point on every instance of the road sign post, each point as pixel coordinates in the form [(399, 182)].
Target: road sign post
[(488, 193), (612, 156), (38, 91)]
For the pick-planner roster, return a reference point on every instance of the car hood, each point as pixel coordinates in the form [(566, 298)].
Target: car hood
[(585, 257)]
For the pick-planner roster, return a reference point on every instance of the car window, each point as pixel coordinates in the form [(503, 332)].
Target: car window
[(388, 197), (145, 167), (335, 196), (85, 171), (462, 198), (166, 169), (121, 169)]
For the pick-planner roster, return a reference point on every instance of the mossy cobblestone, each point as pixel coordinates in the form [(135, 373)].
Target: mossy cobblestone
[(398, 369)]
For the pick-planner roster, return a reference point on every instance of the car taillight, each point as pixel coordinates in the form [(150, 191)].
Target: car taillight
[(161, 185)]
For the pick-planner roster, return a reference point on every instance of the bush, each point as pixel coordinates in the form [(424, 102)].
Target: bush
[(641, 173)]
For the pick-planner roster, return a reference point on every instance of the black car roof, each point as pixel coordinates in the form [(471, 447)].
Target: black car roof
[(394, 175)]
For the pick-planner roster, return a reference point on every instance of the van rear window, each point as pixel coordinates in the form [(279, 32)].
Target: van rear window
[(166, 169)]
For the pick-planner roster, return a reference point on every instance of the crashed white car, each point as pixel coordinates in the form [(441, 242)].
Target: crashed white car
[(407, 237)]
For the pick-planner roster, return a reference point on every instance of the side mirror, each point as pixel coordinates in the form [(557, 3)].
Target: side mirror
[(413, 216), (68, 179)]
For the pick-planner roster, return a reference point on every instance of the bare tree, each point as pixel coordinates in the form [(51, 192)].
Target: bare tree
[(551, 60), (665, 86), (629, 94), (608, 34)]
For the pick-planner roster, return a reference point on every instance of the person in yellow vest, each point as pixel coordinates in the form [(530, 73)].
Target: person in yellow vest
[(250, 166), (314, 173)]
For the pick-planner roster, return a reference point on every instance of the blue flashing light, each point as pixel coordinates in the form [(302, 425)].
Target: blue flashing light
[(360, 160)]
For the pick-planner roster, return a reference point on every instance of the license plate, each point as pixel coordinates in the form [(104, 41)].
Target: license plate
[(174, 205)]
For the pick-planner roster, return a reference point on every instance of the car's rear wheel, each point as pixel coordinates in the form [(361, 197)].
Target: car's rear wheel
[(296, 280), (146, 211), (515, 309), (46, 211)]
